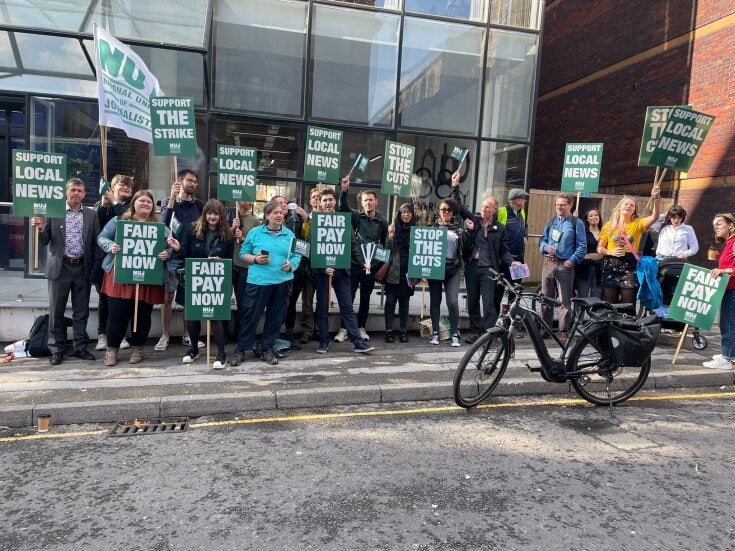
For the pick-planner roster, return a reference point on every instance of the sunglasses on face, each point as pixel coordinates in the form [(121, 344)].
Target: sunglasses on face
[(443, 209)]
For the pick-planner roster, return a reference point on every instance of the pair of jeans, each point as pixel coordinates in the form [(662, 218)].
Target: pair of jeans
[(341, 286), (480, 286), (390, 310), (554, 275), (450, 283), (271, 299), (366, 283)]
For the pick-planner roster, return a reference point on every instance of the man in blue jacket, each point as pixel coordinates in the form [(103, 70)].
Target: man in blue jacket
[(563, 244)]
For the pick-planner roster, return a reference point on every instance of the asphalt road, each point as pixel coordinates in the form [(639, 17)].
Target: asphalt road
[(519, 474)]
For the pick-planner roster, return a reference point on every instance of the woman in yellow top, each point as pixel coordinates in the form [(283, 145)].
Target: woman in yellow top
[(619, 242)]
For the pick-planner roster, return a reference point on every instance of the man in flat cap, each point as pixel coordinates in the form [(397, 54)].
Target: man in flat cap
[(513, 217)]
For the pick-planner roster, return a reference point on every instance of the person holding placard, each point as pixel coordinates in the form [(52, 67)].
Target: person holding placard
[(71, 256), (114, 202), (563, 244), (341, 282), (121, 296), (209, 236), (243, 220), (369, 226), (267, 250), (588, 272), (178, 211), (724, 226), (308, 324), (619, 242), (456, 235), (397, 289)]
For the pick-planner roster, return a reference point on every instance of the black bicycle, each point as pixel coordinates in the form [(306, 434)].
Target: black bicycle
[(606, 357)]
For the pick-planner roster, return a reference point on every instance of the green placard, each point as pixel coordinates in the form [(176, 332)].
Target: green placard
[(582, 162), (39, 181), (140, 244), (361, 163), (427, 253), (681, 139), (208, 285), (697, 297), (323, 154), (174, 131), (397, 169), (656, 118), (331, 239), (459, 154), (237, 173)]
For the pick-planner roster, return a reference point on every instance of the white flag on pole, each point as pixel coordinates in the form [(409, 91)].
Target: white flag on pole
[(124, 87)]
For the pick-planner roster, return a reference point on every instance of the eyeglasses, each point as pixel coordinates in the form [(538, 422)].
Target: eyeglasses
[(190, 181), (445, 210)]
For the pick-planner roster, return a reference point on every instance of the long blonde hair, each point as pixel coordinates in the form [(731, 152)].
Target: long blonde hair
[(616, 218)]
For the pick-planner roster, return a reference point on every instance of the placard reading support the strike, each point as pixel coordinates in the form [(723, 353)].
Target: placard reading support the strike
[(140, 244), (174, 131), (397, 169), (656, 118), (237, 173), (697, 297), (208, 286), (582, 162), (427, 253), (331, 240), (39, 184), (323, 155), (681, 139)]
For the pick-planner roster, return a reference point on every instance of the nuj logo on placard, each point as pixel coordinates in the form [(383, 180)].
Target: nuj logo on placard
[(321, 174), (331, 260), (425, 271), (138, 275), (39, 208), (175, 147), (690, 316), (207, 311)]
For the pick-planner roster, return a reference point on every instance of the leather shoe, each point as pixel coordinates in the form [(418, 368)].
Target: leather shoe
[(305, 338), (236, 358), (56, 358), (472, 338), (84, 355)]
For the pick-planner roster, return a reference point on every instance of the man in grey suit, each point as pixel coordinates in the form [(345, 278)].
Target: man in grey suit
[(69, 264)]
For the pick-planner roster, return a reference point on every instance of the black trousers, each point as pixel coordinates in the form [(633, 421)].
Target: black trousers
[(121, 314), (71, 280)]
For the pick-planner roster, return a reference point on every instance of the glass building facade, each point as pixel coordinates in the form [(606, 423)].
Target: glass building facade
[(430, 73)]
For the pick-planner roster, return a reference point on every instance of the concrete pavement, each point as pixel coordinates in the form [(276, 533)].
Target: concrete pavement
[(162, 386)]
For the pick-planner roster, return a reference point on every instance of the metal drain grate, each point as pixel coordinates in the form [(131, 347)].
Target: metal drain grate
[(149, 426)]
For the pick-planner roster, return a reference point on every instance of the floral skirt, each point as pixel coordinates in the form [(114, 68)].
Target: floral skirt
[(619, 272)]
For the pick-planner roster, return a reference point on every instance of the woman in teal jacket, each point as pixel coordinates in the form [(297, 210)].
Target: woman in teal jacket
[(267, 251)]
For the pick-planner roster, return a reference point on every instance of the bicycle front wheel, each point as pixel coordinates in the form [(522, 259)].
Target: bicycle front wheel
[(481, 368), (603, 382)]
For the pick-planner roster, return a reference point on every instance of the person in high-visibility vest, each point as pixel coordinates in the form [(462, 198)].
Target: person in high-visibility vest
[(513, 217)]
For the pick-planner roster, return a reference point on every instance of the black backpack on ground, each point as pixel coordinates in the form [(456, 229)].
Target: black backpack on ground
[(37, 343)]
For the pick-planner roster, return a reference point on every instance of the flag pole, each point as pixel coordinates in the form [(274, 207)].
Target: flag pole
[(135, 308)]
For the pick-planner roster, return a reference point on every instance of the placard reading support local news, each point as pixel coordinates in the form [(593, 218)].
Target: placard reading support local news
[(39, 184), (697, 297), (208, 285), (237, 173), (681, 139), (582, 163), (323, 155), (140, 244), (427, 253), (656, 118), (174, 131)]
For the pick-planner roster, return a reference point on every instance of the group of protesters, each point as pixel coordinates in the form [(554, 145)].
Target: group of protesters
[(583, 255)]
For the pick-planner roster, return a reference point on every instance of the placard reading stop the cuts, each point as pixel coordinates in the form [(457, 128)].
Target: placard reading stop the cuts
[(397, 169), (427, 253)]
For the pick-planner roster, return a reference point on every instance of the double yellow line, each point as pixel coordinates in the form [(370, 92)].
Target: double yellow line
[(358, 414)]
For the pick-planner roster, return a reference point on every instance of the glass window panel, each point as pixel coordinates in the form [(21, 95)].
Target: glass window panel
[(164, 21), (260, 49), (7, 59), (434, 166), (509, 86), (39, 84), (387, 4), (502, 167), (516, 13), (472, 10), (355, 61), (441, 71), (54, 54), (62, 15)]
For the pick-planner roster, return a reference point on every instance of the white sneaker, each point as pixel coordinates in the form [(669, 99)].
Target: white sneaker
[(124, 344), (186, 341), (162, 344), (341, 336), (718, 362), (364, 335), (190, 357), (455, 340), (434, 338), (219, 362), (101, 342)]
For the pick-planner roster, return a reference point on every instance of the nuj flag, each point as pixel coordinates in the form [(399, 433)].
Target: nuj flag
[(124, 87)]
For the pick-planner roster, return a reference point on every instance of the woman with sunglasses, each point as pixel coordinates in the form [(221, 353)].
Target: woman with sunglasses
[(448, 218), (209, 236)]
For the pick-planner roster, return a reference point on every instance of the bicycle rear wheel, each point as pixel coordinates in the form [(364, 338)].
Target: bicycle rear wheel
[(481, 368), (603, 382)]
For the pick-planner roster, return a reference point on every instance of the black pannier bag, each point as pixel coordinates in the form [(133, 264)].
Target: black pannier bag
[(633, 341)]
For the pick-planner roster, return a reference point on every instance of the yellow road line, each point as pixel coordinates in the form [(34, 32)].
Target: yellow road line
[(357, 414)]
